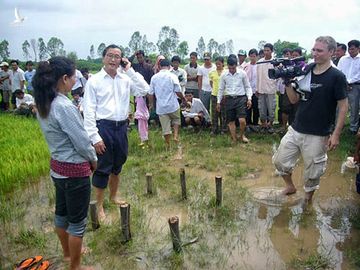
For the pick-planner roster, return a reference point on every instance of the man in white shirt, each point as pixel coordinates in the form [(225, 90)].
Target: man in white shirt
[(24, 103), (234, 83), (17, 80), (165, 86), (106, 106), (350, 66), (179, 72), (80, 82), (204, 81), (195, 113), (191, 70)]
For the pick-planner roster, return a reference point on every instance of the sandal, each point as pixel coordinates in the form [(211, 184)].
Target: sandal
[(44, 265), (26, 263)]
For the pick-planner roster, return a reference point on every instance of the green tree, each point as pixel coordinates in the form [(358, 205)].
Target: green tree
[(135, 42), (147, 47), (230, 46), (73, 56), (25, 49), (261, 44), (92, 52), (279, 46), (42, 49), (168, 41), (222, 49), (34, 47), (213, 46), (4, 49), (100, 49), (183, 49), (200, 47), (55, 47)]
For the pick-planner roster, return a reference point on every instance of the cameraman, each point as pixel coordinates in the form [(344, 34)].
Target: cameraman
[(311, 134)]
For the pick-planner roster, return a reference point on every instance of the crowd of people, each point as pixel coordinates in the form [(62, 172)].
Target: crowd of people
[(87, 136)]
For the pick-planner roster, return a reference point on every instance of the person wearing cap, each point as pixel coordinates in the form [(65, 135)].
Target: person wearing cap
[(204, 81), (24, 103), (5, 86), (29, 74), (165, 87), (234, 84), (241, 56), (17, 80), (191, 70)]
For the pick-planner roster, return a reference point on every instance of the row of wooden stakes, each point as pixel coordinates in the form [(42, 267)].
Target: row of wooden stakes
[(173, 221)]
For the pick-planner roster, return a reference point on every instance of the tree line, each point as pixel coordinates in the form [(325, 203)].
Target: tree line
[(168, 44)]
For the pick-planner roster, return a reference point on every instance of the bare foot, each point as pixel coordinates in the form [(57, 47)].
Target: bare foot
[(288, 191), (116, 201), (308, 197), (244, 139), (101, 214), (84, 251)]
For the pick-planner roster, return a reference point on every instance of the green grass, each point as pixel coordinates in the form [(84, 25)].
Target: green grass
[(24, 153), (313, 261)]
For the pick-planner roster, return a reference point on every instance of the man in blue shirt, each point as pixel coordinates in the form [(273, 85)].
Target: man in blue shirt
[(29, 74)]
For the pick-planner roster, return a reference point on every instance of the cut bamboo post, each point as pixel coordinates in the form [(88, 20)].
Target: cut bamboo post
[(149, 187), (218, 184), (183, 183), (125, 221), (94, 216), (175, 233)]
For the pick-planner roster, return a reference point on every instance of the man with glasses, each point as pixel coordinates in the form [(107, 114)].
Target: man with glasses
[(106, 108)]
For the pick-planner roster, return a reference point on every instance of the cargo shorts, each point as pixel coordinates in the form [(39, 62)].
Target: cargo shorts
[(313, 150)]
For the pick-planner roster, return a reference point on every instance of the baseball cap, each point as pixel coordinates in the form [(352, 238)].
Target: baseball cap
[(4, 64), (242, 52), (207, 55)]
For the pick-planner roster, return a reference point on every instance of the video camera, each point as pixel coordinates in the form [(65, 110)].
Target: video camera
[(286, 68)]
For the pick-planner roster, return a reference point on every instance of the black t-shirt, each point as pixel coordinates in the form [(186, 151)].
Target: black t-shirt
[(316, 114)]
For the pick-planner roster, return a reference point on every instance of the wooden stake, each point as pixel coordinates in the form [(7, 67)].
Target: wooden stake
[(125, 221), (149, 183), (218, 184), (94, 216), (183, 183), (175, 233)]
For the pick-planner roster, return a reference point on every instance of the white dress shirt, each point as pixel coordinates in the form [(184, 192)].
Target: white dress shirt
[(196, 107), (27, 99), (236, 84), (350, 67), (108, 98), (164, 86)]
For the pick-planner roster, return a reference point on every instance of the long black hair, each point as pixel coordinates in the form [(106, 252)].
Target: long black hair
[(45, 81)]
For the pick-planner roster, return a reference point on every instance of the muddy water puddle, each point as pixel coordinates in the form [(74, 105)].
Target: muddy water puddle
[(266, 232)]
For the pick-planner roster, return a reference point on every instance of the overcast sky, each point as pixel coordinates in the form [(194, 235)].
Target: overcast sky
[(79, 24)]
